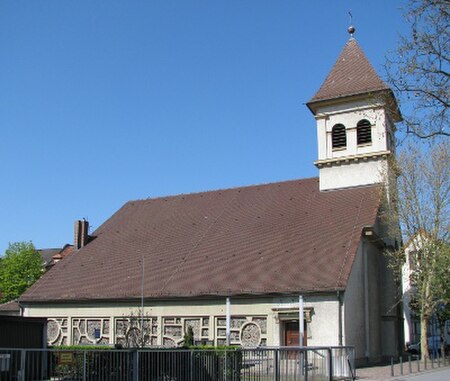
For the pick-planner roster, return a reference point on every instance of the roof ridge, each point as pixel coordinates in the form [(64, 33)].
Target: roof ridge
[(239, 187)]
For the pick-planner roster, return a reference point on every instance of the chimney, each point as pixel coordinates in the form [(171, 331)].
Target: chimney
[(81, 234)]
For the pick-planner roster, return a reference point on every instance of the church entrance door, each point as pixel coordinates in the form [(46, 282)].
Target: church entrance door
[(292, 334)]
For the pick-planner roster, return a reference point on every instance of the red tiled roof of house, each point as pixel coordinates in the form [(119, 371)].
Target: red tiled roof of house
[(64, 252), (278, 238), (352, 74)]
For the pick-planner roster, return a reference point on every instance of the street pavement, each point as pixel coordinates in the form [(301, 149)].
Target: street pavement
[(433, 375), (378, 373)]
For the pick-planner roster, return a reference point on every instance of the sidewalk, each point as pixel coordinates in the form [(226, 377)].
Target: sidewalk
[(376, 373)]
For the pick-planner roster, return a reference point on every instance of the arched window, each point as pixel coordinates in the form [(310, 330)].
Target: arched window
[(364, 132), (338, 136)]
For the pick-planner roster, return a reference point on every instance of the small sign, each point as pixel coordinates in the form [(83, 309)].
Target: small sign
[(97, 333), (66, 358)]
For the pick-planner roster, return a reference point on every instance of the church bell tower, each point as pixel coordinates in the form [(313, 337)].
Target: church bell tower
[(356, 114)]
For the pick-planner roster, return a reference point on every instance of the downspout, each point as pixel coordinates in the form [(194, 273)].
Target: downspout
[(301, 321), (340, 302), (228, 320), (366, 300)]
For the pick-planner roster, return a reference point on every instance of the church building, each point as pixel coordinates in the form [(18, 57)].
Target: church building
[(262, 265)]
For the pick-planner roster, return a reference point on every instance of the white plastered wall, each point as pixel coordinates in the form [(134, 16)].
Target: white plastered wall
[(352, 174), (323, 329), (369, 302)]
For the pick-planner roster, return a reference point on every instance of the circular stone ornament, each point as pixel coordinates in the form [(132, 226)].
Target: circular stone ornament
[(53, 330), (250, 335)]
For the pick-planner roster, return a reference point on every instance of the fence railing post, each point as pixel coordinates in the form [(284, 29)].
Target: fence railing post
[(84, 365), (191, 373), (277, 364), (392, 366), (305, 364), (44, 362), (352, 363), (135, 362), (330, 364), (23, 355), (225, 368)]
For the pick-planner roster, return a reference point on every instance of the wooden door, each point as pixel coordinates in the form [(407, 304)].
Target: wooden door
[(292, 334)]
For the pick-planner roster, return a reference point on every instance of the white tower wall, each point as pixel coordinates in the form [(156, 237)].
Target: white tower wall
[(353, 165)]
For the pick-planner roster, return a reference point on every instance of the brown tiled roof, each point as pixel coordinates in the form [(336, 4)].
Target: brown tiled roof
[(351, 74), (285, 237), (11, 306)]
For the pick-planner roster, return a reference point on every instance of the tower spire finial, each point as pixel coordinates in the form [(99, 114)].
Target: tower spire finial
[(351, 29)]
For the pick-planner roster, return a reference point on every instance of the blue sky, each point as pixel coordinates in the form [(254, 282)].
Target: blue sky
[(102, 102)]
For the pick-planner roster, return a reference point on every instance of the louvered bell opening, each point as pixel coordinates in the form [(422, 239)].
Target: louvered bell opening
[(338, 136), (364, 132)]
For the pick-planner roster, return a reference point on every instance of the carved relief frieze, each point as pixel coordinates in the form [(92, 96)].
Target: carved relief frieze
[(176, 327), (134, 331), (57, 331), (249, 331), (86, 331)]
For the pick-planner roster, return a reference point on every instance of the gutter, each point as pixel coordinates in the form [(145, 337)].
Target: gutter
[(21, 308)]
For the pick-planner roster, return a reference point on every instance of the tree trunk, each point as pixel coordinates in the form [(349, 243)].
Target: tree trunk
[(423, 337)]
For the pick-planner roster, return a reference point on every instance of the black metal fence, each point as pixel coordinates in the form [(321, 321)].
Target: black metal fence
[(259, 364)]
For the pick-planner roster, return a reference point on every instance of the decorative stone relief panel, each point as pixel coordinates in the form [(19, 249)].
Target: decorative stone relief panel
[(250, 331), (195, 324), (169, 343), (237, 322), (57, 331), (90, 331), (128, 331), (262, 323), (174, 329), (250, 335)]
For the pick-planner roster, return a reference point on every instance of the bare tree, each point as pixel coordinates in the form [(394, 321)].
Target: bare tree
[(419, 68), (419, 205)]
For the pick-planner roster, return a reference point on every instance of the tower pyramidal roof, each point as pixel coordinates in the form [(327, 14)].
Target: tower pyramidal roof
[(352, 74)]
